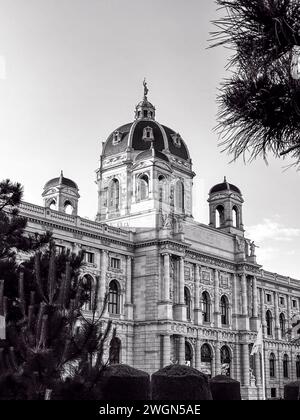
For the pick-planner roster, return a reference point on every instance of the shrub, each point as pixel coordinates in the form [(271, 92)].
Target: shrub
[(225, 388), (292, 391)]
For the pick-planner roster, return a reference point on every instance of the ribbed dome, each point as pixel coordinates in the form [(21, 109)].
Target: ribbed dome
[(61, 180), (224, 186)]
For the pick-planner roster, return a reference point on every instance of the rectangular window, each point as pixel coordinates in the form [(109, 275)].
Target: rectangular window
[(273, 392), (294, 303), (268, 297), (59, 249), (281, 300), (115, 263), (88, 257)]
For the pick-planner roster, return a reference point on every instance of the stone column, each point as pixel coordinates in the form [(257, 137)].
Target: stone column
[(255, 304), (217, 359), (288, 307), (166, 288), (217, 300), (276, 314), (166, 350), (128, 297), (198, 354), (197, 309), (263, 312), (181, 350), (181, 281), (245, 356), (237, 362), (257, 364), (245, 301), (235, 310), (103, 268)]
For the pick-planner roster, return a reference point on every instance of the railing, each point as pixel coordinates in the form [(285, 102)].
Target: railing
[(28, 209), (268, 275)]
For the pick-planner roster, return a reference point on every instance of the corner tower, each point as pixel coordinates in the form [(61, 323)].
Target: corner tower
[(145, 172), (225, 208)]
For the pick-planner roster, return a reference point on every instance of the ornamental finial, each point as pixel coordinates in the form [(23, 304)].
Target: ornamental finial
[(146, 90)]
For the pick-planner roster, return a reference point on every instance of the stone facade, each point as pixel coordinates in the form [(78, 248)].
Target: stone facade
[(186, 292)]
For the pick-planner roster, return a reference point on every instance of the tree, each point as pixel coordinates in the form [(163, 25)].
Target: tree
[(49, 340), (259, 105)]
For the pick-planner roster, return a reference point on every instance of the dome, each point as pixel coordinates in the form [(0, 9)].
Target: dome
[(137, 135), (61, 180), (224, 186)]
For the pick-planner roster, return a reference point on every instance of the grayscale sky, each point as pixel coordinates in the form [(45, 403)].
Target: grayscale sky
[(71, 72)]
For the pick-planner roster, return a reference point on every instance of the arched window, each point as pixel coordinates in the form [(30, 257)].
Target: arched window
[(269, 321), (142, 187), (187, 302), (52, 205), (206, 307), (282, 324), (113, 298), (285, 364), (220, 218), (87, 286), (114, 194), (298, 366), (188, 354), (179, 196), (224, 310), (114, 350), (272, 365), (235, 216), (68, 208), (162, 185), (206, 355), (225, 360)]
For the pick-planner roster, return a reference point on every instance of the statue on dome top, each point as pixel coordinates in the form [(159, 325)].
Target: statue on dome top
[(146, 90)]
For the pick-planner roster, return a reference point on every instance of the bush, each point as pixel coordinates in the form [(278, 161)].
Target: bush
[(180, 382), (12, 387), (123, 382), (225, 388), (292, 391)]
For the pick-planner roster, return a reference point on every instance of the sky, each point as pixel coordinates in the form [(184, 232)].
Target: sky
[(71, 72)]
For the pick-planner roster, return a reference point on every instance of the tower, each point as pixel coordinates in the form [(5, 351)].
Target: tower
[(61, 194), (225, 208), (145, 173)]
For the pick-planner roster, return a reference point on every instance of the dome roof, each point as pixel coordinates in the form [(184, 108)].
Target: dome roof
[(224, 186), (131, 136), (151, 153), (61, 180)]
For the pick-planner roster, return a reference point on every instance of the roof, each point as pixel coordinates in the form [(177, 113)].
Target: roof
[(60, 181), (151, 153), (224, 186)]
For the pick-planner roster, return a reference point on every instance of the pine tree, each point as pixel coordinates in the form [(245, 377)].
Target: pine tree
[(259, 105)]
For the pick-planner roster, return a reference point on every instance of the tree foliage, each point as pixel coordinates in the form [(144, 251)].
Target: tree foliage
[(259, 105)]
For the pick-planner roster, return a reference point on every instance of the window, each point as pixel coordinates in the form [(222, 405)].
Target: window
[(272, 365), (115, 263), (59, 249), (294, 303), (282, 324), (225, 360), (188, 354), (220, 218), (87, 285), (117, 137), (52, 205), (88, 257), (206, 356), (142, 187), (281, 301), (269, 323), (114, 194), (206, 307), (179, 196), (148, 133), (145, 114), (285, 366), (298, 367), (235, 218), (113, 298), (224, 310), (68, 207), (114, 350), (187, 302), (162, 188), (268, 297), (273, 393)]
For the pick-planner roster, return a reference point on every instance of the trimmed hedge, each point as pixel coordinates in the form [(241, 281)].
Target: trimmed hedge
[(180, 382), (224, 388), (123, 382), (292, 391)]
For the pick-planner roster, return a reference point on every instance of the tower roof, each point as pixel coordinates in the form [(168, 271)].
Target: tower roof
[(61, 180), (224, 186)]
